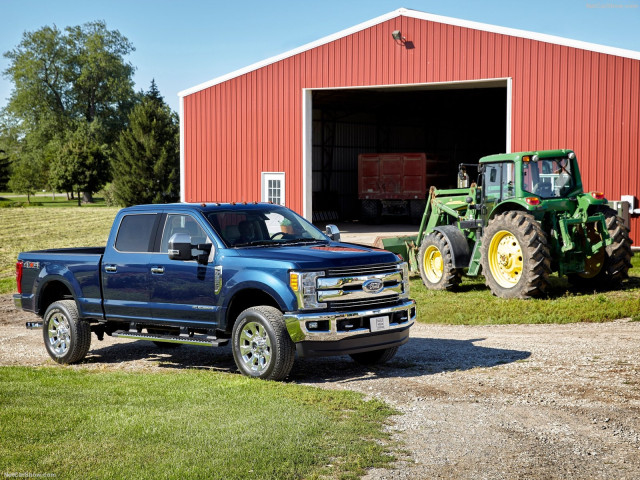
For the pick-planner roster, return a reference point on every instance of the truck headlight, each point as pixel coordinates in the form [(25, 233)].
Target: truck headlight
[(304, 286), (405, 280)]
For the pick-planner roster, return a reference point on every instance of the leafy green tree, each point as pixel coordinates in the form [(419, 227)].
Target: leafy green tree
[(61, 78), (146, 164), (81, 164), (26, 177)]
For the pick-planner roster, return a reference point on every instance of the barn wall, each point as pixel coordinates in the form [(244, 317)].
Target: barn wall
[(562, 97)]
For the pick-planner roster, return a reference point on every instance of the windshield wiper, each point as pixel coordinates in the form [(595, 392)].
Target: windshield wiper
[(258, 243), (295, 241)]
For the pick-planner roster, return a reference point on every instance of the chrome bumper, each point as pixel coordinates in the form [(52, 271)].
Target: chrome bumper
[(297, 322)]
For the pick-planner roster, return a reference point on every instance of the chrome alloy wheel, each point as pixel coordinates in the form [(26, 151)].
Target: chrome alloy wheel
[(59, 334), (255, 347)]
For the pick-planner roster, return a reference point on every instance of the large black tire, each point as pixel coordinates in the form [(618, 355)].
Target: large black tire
[(66, 337), (416, 210), (516, 260), (611, 265), (261, 344), (371, 211), (374, 357), (435, 262)]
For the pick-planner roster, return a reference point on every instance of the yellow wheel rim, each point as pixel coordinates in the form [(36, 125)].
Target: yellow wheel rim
[(505, 259), (432, 264)]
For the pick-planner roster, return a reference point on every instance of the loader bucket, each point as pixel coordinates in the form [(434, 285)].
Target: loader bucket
[(403, 246)]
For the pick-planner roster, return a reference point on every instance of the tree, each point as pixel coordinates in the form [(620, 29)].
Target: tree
[(26, 177), (65, 77), (81, 164), (146, 164)]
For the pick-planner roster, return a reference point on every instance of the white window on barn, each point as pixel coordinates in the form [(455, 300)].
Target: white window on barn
[(273, 187)]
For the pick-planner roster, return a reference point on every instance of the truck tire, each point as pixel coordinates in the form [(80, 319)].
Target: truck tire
[(374, 357), (516, 260), (416, 211), (610, 265), (261, 344), (66, 337), (436, 263), (371, 211)]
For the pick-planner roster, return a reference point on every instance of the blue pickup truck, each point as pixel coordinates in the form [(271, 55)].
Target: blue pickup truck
[(256, 275)]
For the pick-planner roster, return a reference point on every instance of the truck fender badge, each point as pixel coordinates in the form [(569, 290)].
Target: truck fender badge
[(373, 286)]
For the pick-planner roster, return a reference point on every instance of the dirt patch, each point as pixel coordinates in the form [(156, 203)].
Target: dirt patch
[(508, 401)]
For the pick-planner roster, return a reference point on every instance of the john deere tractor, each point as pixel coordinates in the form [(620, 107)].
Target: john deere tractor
[(525, 218)]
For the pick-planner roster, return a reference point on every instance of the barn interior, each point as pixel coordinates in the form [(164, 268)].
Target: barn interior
[(452, 124)]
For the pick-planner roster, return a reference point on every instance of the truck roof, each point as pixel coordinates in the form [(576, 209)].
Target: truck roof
[(502, 157), (202, 207)]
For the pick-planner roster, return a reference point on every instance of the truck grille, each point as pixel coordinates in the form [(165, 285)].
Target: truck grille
[(347, 288)]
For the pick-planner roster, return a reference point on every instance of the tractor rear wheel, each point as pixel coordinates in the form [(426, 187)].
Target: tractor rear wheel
[(611, 264), (516, 260), (436, 263)]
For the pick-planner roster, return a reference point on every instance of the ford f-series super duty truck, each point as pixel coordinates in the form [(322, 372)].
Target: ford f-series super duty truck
[(257, 275)]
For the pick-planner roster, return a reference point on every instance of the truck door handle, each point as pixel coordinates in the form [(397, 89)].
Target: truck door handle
[(157, 270), (110, 268)]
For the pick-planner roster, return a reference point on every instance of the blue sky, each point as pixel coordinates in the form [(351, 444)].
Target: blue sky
[(185, 43)]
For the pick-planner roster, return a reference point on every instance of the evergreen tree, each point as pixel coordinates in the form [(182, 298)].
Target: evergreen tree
[(146, 164)]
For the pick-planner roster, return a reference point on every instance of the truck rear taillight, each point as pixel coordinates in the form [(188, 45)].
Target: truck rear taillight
[(19, 264), (597, 195)]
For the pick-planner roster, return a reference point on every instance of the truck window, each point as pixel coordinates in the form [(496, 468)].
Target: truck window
[(181, 223), (135, 233)]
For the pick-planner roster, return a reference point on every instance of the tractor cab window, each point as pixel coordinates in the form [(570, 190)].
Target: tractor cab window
[(499, 181), (548, 177)]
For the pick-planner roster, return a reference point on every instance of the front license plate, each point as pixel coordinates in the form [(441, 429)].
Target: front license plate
[(379, 323)]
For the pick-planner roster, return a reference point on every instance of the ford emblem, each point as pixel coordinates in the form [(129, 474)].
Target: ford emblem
[(373, 286)]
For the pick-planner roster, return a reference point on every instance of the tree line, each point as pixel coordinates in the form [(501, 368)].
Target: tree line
[(74, 124)]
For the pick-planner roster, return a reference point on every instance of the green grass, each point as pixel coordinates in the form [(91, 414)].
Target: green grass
[(44, 200), (473, 303), (24, 229), (77, 423)]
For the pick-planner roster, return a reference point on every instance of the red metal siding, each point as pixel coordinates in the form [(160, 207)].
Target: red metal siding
[(561, 97)]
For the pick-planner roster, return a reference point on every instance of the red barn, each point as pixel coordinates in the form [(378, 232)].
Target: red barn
[(290, 129)]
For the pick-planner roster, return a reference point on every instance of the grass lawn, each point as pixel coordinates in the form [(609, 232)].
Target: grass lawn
[(473, 303), (44, 200), (80, 424)]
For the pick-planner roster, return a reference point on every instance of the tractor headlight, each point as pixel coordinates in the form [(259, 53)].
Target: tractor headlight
[(304, 286)]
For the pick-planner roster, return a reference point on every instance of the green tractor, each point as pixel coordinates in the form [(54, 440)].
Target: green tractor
[(526, 218)]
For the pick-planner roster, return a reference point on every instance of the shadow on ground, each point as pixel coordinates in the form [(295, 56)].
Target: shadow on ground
[(419, 357)]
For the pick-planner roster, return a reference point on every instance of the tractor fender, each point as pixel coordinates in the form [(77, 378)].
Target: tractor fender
[(461, 255)]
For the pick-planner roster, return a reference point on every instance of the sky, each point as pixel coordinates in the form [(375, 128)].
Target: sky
[(182, 43)]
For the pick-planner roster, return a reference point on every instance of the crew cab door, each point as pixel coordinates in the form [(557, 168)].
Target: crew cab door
[(182, 291), (125, 268)]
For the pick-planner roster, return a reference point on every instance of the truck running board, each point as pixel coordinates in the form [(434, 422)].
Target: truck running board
[(204, 340)]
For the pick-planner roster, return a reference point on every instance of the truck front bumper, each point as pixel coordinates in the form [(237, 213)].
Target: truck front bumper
[(340, 333)]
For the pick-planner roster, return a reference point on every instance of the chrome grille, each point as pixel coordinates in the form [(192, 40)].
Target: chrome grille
[(363, 270)]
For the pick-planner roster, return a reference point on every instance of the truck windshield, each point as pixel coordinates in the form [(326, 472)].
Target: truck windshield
[(548, 177), (270, 226)]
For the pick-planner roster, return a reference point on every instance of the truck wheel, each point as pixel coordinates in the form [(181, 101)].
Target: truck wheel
[(371, 211), (416, 211), (261, 344), (516, 260), (374, 357), (436, 263), (610, 265), (66, 337)]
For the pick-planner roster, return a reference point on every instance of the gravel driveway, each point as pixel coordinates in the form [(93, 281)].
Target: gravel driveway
[(508, 401)]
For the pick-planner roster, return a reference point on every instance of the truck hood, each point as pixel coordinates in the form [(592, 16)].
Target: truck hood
[(321, 256)]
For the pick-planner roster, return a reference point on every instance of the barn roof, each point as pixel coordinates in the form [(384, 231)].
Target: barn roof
[(405, 12)]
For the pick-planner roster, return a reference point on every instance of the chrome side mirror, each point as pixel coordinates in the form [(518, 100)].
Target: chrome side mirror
[(333, 233)]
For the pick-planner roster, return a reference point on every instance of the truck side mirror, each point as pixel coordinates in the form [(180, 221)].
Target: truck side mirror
[(180, 246), (333, 233)]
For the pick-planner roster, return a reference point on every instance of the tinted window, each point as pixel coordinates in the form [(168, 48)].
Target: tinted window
[(135, 233), (180, 223)]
